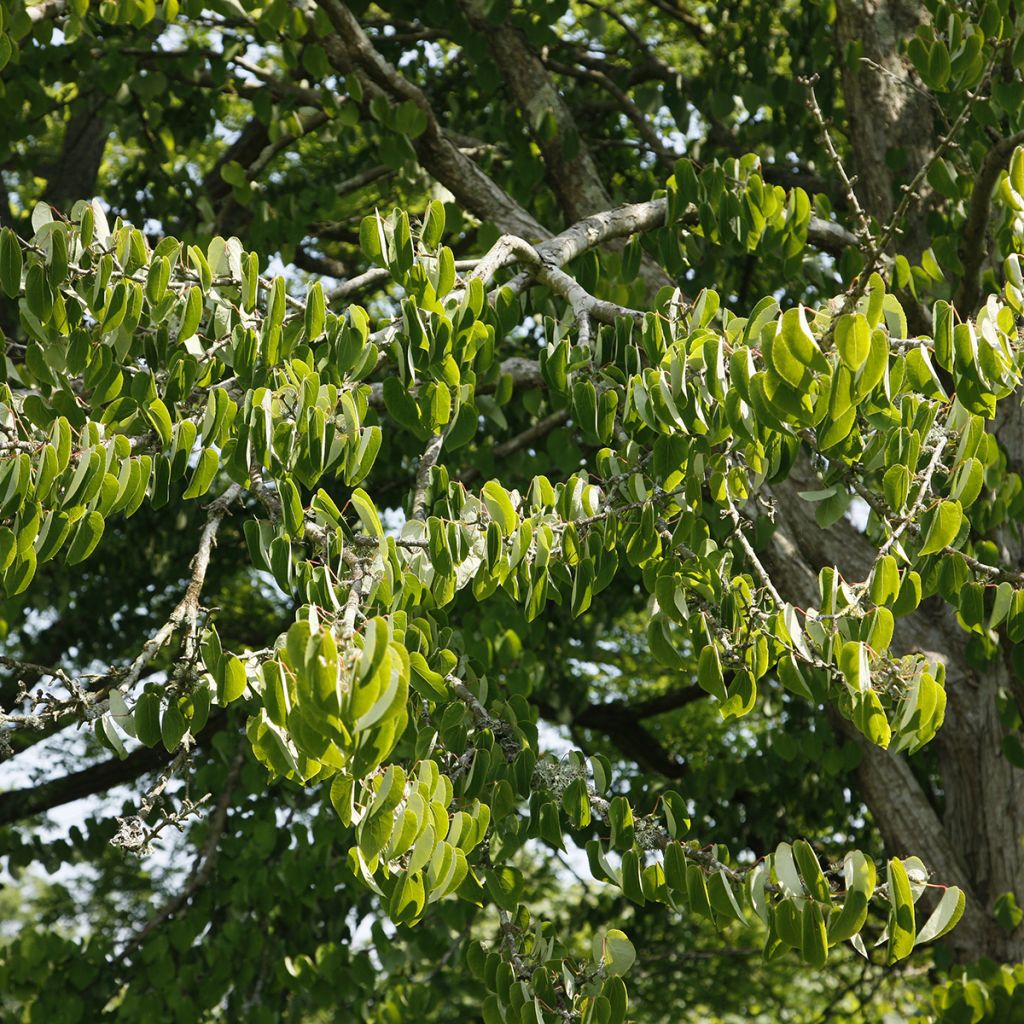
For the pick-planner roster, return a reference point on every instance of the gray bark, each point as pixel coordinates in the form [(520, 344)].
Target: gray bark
[(890, 120), (973, 841), (970, 829), (73, 174)]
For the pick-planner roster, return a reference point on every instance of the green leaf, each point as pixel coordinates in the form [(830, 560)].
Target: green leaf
[(433, 224), (445, 271), (869, 717), (10, 263), (499, 507), (859, 876), (234, 681), (191, 314), (276, 304), (372, 240), (941, 526), (620, 820), (202, 476), (661, 645), (885, 581), (367, 513), (316, 310), (853, 340), (853, 663), (147, 719), (814, 939), (874, 368), (172, 727), (945, 916), (902, 931), (88, 535), (896, 486), (810, 871), (291, 508), (159, 419), (615, 951), (157, 278), (795, 353), (709, 673)]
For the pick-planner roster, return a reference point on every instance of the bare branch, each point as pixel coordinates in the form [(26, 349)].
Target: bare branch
[(203, 867), (531, 434), (571, 171), (186, 610), (350, 49), (427, 462), (863, 225)]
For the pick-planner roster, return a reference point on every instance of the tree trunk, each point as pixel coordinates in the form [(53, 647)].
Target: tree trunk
[(969, 828), (889, 116), (73, 174)]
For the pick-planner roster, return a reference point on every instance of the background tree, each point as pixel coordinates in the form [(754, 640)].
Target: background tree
[(617, 376)]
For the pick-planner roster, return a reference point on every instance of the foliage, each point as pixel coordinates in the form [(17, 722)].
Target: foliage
[(387, 525)]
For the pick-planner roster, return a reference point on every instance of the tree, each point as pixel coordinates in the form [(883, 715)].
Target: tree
[(646, 372)]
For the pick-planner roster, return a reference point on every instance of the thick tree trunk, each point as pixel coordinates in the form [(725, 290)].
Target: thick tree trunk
[(889, 116), (970, 826), (73, 175), (967, 830), (971, 830), (982, 822)]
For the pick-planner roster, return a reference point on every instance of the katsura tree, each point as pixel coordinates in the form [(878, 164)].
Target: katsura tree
[(519, 489)]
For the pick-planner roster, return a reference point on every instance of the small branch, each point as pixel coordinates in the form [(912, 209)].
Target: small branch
[(533, 433), (363, 178), (922, 495), (347, 290), (881, 244), (87, 705), (974, 248), (863, 225), (501, 731), (748, 550), (188, 606), (204, 864), (427, 462), (511, 249), (646, 130)]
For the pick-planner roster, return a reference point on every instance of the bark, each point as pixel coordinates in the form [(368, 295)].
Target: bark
[(975, 245), (73, 175), (569, 167), (350, 49), (20, 804), (245, 150), (968, 831), (890, 119)]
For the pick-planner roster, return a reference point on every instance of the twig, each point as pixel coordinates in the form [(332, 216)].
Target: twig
[(922, 495), (427, 462), (188, 606), (881, 243), (204, 864), (863, 225), (751, 554), (533, 433)]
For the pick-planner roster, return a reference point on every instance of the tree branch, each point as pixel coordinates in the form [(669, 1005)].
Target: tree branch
[(350, 49), (18, 804), (974, 247), (571, 171), (202, 870)]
